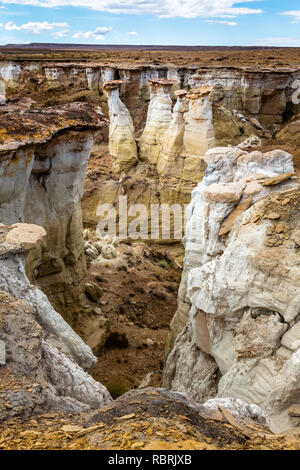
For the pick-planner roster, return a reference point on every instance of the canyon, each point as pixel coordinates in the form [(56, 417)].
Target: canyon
[(85, 318)]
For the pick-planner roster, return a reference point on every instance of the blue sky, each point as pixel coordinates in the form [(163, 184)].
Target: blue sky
[(173, 22)]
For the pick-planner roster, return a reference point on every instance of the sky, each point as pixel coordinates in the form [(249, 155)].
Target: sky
[(165, 22)]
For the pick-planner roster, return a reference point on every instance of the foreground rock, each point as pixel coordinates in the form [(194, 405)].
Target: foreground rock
[(240, 285), (42, 358)]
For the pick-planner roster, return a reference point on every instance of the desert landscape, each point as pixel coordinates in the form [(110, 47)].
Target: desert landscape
[(179, 333)]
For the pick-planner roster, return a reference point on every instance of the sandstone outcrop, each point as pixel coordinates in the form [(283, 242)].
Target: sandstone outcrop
[(188, 137), (171, 148), (44, 358), (122, 144), (239, 287), (44, 156), (255, 92)]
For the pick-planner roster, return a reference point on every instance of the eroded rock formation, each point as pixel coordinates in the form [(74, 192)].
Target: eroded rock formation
[(43, 358), (239, 288), (44, 156), (159, 117), (171, 149), (170, 160), (262, 92), (122, 144)]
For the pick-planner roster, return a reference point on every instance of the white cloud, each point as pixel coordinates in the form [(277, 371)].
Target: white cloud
[(35, 27), (161, 8), (278, 42), (133, 33), (228, 23), (97, 34), (295, 14)]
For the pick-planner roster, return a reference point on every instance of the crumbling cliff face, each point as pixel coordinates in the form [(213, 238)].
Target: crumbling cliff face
[(240, 285), (44, 156), (42, 359)]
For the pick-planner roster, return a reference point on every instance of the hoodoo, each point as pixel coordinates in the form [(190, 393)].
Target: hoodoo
[(122, 144)]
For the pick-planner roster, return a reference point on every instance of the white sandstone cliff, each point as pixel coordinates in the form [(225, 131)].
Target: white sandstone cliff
[(240, 285), (159, 117), (44, 156), (122, 144)]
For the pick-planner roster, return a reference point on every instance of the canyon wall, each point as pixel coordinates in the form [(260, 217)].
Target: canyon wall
[(44, 156), (235, 333), (239, 289), (42, 359)]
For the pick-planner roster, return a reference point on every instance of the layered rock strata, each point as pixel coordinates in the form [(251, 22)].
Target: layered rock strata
[(171, 160), (190, 134), (122, 144), (44, 156), (44, 358), (239, 289), (171, 148)]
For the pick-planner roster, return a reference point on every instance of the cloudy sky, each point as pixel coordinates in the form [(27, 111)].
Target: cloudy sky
[(174, 22)]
